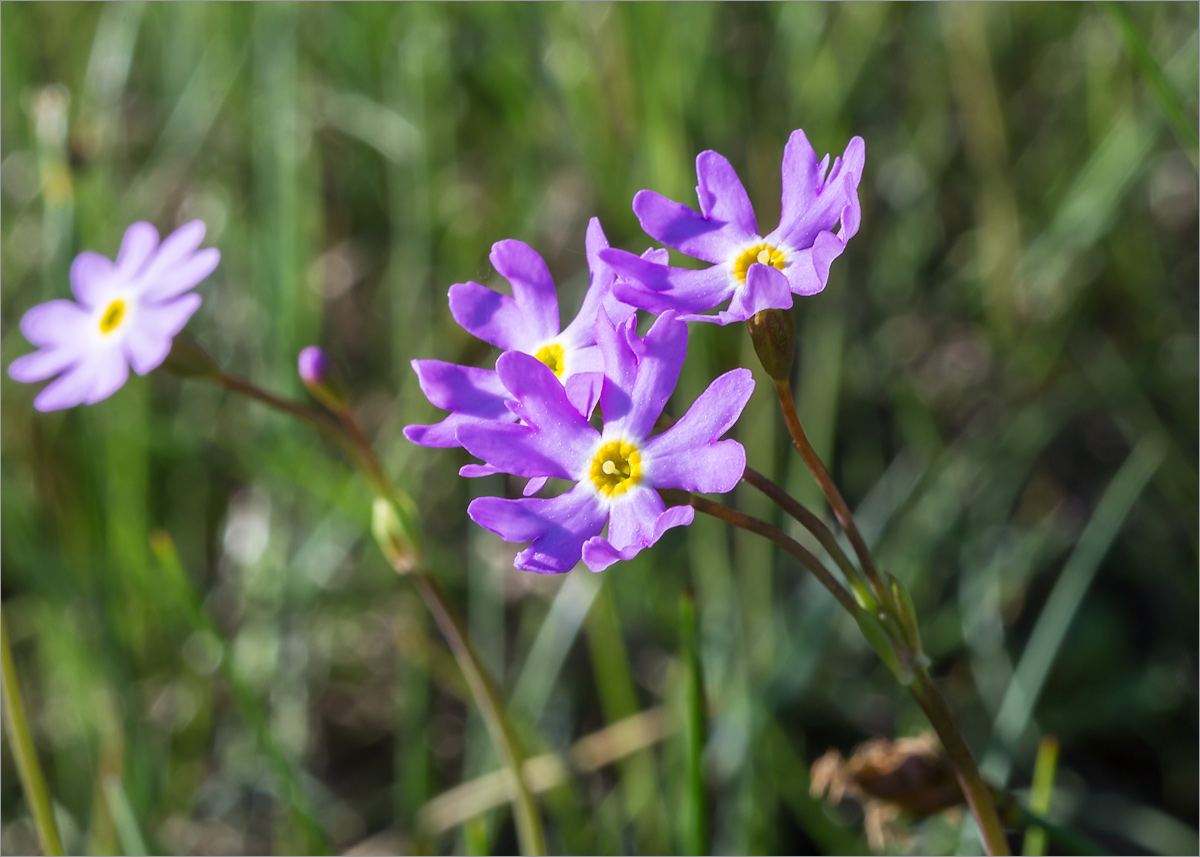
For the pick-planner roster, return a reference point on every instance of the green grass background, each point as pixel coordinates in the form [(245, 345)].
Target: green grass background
[(1002, 375)]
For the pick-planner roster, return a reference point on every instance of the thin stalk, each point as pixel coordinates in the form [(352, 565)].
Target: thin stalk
[(24, 754), (762, 528), (1041, 794), (248, 388), (349, 436), (806, 519), (975, 790), (788, 405), (696, 837), (491, 707), (372, 467)]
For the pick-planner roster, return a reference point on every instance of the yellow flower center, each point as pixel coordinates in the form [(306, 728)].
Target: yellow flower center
[(616, 468), (552, 356), (112, 317), (763, 254)]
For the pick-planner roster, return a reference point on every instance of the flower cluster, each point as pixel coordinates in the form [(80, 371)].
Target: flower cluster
[(531, 416)]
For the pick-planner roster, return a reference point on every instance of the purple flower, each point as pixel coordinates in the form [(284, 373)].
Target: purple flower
[(526, 322), (125, 314), (616, 470), (752, 272)]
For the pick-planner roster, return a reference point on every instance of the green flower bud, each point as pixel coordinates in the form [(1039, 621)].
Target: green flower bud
[(773, 332), (393, 526)]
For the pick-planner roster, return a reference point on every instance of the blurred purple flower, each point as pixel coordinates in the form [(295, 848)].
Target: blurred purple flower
[(125, 314), (528, 323), (616, 470), (752, 272)]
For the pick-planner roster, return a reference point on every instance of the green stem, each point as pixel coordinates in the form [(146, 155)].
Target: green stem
[(1041, 794), (24, 753), (975, 790), (491, 707)]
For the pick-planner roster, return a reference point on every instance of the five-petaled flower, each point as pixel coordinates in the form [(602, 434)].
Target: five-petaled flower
[(125, 314), (617, 469), (751, 271)]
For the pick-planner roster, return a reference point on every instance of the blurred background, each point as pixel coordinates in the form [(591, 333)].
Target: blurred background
[(1002, 375)]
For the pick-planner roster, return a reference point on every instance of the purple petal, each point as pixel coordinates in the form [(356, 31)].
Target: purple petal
[(657, 374), (167, 282), (47, 362), (712, 469), (808, 271), (92, 278), (532, 286), (139, 242), (555, 441), (811, 206), (579, 333), (92, 379), (174, 249), (473, 395), (445, 434), (56, 322), (491, 316), (620, 370), (462, 388), (801, 173), (658, 288), (522, 451), (475, 471), (689, 455), (599, 553), (111, 371), (678, 226), (149, 338), (766, 288), (557, 526), (535, 485), (583, 390), (632, 518), (168, 318), (723, 198), (541, 400), (145, 349)]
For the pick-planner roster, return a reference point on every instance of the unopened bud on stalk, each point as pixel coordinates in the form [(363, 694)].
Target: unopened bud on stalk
[(320, 378), (875, 634), (394, 528), (773, 332), (188, 359)]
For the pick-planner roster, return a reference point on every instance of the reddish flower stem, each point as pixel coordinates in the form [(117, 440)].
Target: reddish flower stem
[(762, 528)]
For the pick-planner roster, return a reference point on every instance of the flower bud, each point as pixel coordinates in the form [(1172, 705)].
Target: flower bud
[(394, 528), (320, 378), (773, 332)]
